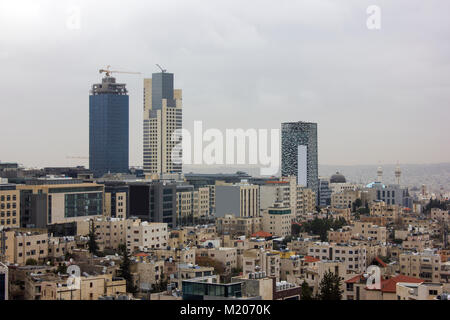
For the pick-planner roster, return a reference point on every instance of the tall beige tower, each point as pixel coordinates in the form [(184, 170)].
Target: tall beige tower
[(162, 116)]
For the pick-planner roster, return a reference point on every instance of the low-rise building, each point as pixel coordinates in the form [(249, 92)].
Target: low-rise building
[(226, 256), (238, 226), (369, 231), (353, 257), (143, 236), (23, 244), (425, 265), (342, 235), (277, 220)]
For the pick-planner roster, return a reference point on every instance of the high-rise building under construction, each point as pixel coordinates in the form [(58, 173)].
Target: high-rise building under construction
[(108, 127)]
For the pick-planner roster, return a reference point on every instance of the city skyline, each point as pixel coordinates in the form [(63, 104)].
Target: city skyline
[(334, 90)]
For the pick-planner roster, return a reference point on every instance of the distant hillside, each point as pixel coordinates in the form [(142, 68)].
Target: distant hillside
[(434, 176)]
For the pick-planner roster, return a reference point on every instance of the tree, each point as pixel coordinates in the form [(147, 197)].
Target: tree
[(307, 292), (330, 287), (62, 268), (210, 262), (124, 270), (92, 244), (31, 262), (296, 229)]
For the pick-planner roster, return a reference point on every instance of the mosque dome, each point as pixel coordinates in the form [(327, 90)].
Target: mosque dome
[(337, 178)]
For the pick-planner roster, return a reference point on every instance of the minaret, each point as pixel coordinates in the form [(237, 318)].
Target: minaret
[(379, 174), (398, 173)]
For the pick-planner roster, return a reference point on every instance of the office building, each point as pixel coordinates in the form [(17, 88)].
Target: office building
[(162, 116), (116, 199), (45, 204), (299, 153), (324, 192), (108, 128), (153, 202), (240, 199)]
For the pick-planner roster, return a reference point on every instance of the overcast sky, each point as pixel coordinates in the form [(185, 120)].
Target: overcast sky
[(378, 96)]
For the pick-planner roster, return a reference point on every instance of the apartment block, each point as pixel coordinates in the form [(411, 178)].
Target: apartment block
[(370, 231), (143, 236), (306, 200), (255, 260), (344, 199), (9, 206), (90, 287), (224, 255), (425, 265), (342, 235), (440, 215), (238, 226), (192, 204), (19, 246), (58, 247), (277, 220), (354, 257)]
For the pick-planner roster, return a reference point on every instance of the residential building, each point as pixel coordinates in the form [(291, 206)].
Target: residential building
[(342, 235), (238, 226), (192, 205), (22, 244), (9, 206), (354, 257), (226, 256), (257, 260), (370, 231), (418, 291), (277, 220), (425, 265), (143, 236)]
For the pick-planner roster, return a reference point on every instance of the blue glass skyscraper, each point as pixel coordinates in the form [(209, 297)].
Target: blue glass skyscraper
[(108, 127)]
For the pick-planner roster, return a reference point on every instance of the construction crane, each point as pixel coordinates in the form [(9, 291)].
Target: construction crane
[(108, 72), (162, 70)]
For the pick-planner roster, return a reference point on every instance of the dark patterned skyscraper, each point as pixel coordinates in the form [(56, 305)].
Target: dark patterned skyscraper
[(299, 153), (108, 127)]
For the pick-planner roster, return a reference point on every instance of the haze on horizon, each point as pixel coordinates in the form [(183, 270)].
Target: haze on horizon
[(378, 96)]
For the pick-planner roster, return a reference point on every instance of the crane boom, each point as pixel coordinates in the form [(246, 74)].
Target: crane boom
[(108, 72), (162, 70)]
